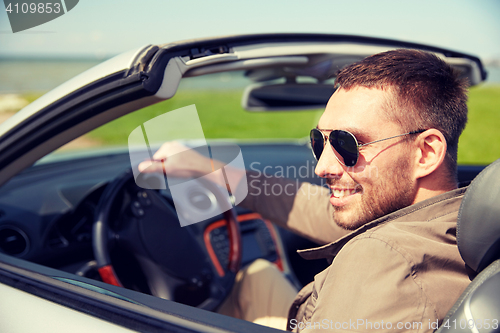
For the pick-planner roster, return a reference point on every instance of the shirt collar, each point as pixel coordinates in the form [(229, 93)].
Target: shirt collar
[(330, 250)]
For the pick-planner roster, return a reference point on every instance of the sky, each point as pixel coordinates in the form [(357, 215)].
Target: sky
[(102, 28)]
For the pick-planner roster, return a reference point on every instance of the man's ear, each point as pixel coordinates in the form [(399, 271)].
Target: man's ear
[(431, 151)]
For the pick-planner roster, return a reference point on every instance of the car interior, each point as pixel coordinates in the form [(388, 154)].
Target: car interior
[(75, 227)]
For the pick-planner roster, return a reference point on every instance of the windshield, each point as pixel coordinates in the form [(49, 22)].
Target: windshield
[(217, 98)]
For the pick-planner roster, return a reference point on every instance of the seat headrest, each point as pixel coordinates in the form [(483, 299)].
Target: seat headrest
[(478, 226)]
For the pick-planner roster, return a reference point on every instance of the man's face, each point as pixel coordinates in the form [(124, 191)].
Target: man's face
[(381, 181)]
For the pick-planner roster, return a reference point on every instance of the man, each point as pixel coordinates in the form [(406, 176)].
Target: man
[(387, 147)]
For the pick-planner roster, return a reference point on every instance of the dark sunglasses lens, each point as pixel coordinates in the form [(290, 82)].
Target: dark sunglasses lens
[(345, 144), (317, 142)]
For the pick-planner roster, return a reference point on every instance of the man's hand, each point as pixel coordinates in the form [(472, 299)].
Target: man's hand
[(177, 160)]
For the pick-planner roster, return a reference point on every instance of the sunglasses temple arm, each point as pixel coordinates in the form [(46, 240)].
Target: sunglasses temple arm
[(392, 137)]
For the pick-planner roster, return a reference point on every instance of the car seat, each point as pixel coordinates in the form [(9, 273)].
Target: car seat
[(478, 238)]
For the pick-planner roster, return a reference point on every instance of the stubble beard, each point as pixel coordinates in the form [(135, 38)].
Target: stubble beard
[(385, 195)]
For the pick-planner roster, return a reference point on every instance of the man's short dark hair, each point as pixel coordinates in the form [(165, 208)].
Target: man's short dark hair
[(421, 82)]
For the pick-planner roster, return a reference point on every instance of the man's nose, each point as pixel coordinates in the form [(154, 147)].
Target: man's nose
[(328, 164)]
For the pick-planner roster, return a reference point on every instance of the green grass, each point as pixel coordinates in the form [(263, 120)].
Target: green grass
[(480, 141), (222, 116)]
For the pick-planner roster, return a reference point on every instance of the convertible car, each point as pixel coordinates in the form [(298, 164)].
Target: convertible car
[(87, 243)]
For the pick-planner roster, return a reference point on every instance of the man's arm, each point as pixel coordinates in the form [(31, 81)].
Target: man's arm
[(301, 207)]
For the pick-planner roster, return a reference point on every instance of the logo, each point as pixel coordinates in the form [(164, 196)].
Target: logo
[(26, 14), (195, 199)]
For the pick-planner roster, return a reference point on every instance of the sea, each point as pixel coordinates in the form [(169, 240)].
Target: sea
[(19, 76)]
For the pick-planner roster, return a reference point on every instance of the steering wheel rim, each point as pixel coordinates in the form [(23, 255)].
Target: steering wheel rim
[(103, 237)]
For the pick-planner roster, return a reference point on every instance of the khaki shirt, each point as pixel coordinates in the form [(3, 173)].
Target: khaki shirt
[(401, 272)]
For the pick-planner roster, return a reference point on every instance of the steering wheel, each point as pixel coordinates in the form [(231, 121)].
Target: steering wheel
[(175, 266)]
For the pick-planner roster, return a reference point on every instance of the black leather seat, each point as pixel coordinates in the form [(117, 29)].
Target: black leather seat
[(478, 237)]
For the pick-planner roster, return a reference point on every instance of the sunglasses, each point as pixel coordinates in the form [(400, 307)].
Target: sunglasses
[(343, 143)]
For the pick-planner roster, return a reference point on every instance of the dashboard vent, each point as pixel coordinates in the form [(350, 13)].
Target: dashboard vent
[(13, 241)]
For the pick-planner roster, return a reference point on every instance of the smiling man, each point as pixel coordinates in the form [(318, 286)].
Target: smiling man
[(379, 182), (387, 147)]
